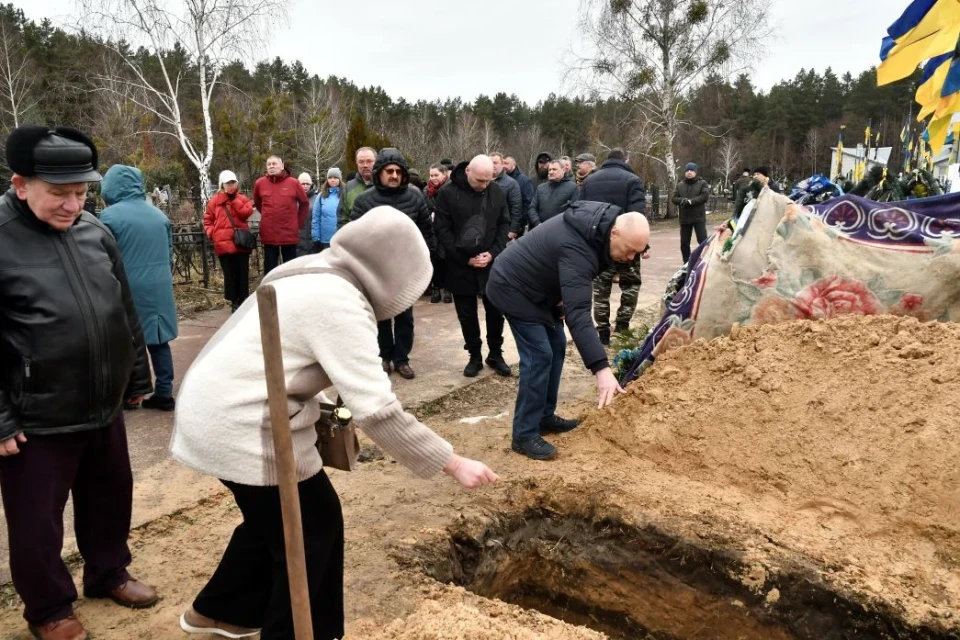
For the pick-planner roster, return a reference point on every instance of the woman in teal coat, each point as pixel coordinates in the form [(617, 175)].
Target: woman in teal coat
[(145, 239)]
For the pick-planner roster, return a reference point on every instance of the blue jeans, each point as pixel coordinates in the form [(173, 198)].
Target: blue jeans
[(162, 360), (542, 350)]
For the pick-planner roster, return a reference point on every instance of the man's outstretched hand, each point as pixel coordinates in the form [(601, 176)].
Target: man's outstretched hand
[(607, 387)]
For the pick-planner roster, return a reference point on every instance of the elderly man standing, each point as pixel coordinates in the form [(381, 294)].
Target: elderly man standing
[(553, 197), (472, 222), (71, 352), (284, 209), (544, 280), (146, 243), (586, 163), (391, 181), (366, 157)]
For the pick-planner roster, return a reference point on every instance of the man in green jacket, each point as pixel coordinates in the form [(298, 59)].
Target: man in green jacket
[(366, 157)]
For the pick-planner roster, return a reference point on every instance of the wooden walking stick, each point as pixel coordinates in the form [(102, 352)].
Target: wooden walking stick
[(286, 463)]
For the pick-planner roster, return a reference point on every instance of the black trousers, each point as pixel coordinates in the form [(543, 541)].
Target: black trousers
[(250, 586), (273, 252), (236, 276), (35, 483), (686, 230), (467, 314), (395, 338), (439, 270)]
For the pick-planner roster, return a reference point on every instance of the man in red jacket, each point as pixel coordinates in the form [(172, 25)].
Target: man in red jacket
[(283, 207)]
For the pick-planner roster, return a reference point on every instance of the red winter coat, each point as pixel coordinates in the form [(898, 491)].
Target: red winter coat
[(283, 207), (217, 226)]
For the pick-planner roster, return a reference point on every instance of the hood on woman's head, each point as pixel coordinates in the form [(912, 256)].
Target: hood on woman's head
[(385, 251)]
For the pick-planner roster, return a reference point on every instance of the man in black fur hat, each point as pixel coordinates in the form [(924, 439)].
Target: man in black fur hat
[(71, 352)]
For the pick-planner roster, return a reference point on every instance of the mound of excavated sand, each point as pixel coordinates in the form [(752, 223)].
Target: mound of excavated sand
[(450, 613), (844, 435)]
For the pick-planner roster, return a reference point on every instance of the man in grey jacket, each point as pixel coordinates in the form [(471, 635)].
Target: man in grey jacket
[(512, 189), (554, 196)]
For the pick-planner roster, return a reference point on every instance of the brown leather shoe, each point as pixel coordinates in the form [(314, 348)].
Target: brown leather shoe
[(193, 622), (386, 366), (132, 594), (66, 629), (405, 371)]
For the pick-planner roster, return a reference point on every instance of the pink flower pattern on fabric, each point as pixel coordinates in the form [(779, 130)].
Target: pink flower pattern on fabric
[(774, 309), (834, 296), (674, 338)]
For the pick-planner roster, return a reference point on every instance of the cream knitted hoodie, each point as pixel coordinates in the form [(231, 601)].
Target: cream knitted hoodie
[(328, 331)]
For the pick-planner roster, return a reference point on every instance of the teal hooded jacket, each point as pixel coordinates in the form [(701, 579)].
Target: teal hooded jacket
[(145, 239)]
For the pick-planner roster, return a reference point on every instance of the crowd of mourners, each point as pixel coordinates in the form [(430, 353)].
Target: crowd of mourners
[(87, 315)]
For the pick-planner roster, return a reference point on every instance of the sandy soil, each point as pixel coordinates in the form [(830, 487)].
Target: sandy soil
[(759, 478)]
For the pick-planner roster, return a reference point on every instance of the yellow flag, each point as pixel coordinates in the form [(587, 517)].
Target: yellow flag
[(928, 94)]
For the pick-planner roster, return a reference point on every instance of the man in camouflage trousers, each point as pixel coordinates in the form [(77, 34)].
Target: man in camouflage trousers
[(629, 277)]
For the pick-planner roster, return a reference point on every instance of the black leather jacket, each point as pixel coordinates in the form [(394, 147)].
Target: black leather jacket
[(71, 349)]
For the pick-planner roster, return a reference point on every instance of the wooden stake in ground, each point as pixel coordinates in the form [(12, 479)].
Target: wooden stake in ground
[(286, 463)]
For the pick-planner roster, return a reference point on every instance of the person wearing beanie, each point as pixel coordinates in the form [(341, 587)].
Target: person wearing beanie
[(690, 196), (73, 353), (305, 246), (375, 268), (227, 211), (761, 180), (325, 207), (145, 239), (391, 180), (543, 162)]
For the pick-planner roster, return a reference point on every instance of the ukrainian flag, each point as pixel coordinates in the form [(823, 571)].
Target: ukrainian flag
[(928, 28)]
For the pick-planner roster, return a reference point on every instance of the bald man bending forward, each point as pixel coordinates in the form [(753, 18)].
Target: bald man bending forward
[(546, 279)]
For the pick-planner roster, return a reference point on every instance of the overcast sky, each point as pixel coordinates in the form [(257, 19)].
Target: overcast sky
[(443, 48)]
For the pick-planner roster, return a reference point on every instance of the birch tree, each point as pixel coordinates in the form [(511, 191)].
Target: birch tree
[(654, 53), (149, 35), (17, 75), (730, 156), (811, 149), (322, 130)]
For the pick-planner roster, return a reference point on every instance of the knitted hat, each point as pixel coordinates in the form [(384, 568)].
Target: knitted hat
[(304, 177), (334, 172), (691, 166), (765, 172), (385, 251), (57, 156), (225, 177)]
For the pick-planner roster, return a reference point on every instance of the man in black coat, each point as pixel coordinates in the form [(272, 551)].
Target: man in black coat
[(471, 222), (616, 183), (546, 279), (71, 353), (554, 196), (391, 181), (690, 197), (526, 193)]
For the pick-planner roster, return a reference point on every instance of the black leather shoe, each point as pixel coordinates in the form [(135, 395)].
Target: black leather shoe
[(447, 297), (556, 424), (160, 403), (535, 448), (473, 368), (435, 297), (497, 363)]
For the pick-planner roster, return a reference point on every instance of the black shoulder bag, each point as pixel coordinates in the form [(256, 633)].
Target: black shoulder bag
[(242, 238)]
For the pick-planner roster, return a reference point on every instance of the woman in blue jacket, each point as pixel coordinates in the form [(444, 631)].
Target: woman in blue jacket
[(325, 210)]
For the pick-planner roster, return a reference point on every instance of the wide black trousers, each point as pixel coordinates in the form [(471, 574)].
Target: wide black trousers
[(250, 586), (95, 467)]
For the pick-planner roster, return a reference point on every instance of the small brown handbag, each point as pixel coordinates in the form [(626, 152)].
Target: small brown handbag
[(337, 437)]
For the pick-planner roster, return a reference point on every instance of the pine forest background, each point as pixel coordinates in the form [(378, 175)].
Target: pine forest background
[(51, 76)]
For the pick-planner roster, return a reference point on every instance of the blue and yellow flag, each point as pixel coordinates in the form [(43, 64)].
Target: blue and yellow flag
[(928, 28), (928, 32)]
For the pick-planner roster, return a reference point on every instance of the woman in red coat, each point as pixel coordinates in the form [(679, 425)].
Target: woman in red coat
[(234, 261)]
